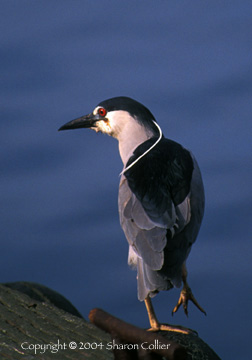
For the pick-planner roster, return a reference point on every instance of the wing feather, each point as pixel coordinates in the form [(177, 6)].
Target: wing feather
[(154, 206)]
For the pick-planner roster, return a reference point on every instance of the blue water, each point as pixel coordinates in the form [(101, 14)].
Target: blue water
[(190, 63)]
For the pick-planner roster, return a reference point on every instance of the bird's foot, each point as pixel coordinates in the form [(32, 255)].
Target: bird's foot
[(156, 326), (174, 328), (186, 295)]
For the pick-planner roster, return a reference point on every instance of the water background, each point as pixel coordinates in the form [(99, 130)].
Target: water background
[(190, 63)]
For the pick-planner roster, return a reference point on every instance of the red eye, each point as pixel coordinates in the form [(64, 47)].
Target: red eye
[(102, 112)]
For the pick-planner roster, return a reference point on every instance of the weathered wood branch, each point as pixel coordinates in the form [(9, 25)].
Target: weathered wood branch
[(128, 335)]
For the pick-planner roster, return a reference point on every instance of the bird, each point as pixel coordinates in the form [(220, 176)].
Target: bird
[(161, 200)]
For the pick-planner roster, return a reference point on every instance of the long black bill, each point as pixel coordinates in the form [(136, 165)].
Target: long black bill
[(86, 121)]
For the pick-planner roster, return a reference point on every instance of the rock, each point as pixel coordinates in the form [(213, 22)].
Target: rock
[(196, 348), (44, 294), (26, 323), (38, 323)]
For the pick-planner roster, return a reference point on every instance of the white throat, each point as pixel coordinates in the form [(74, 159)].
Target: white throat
[(129, 133), (146, 152)]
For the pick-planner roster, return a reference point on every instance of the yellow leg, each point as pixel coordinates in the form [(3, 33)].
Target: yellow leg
[(186, 295), (156, 326)]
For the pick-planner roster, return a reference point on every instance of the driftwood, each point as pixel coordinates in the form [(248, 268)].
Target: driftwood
[(136, 342), (148, 345), (45, 325)]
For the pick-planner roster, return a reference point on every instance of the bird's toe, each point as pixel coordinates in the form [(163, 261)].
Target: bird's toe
[(186, 295)]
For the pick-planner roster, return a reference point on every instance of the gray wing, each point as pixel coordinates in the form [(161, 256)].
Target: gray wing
[(147, 241), (154, 208), (148, 238)]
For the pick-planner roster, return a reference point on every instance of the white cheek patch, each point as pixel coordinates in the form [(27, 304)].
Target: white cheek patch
[(103, 126)]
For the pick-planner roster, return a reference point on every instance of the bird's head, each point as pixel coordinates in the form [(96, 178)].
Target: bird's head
[(130, 122), (114, 117)]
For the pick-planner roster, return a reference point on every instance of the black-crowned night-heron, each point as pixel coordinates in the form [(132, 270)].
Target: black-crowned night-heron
[(161, 198)]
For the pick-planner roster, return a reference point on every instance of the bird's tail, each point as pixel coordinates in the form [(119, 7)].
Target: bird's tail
[(150, 282)]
